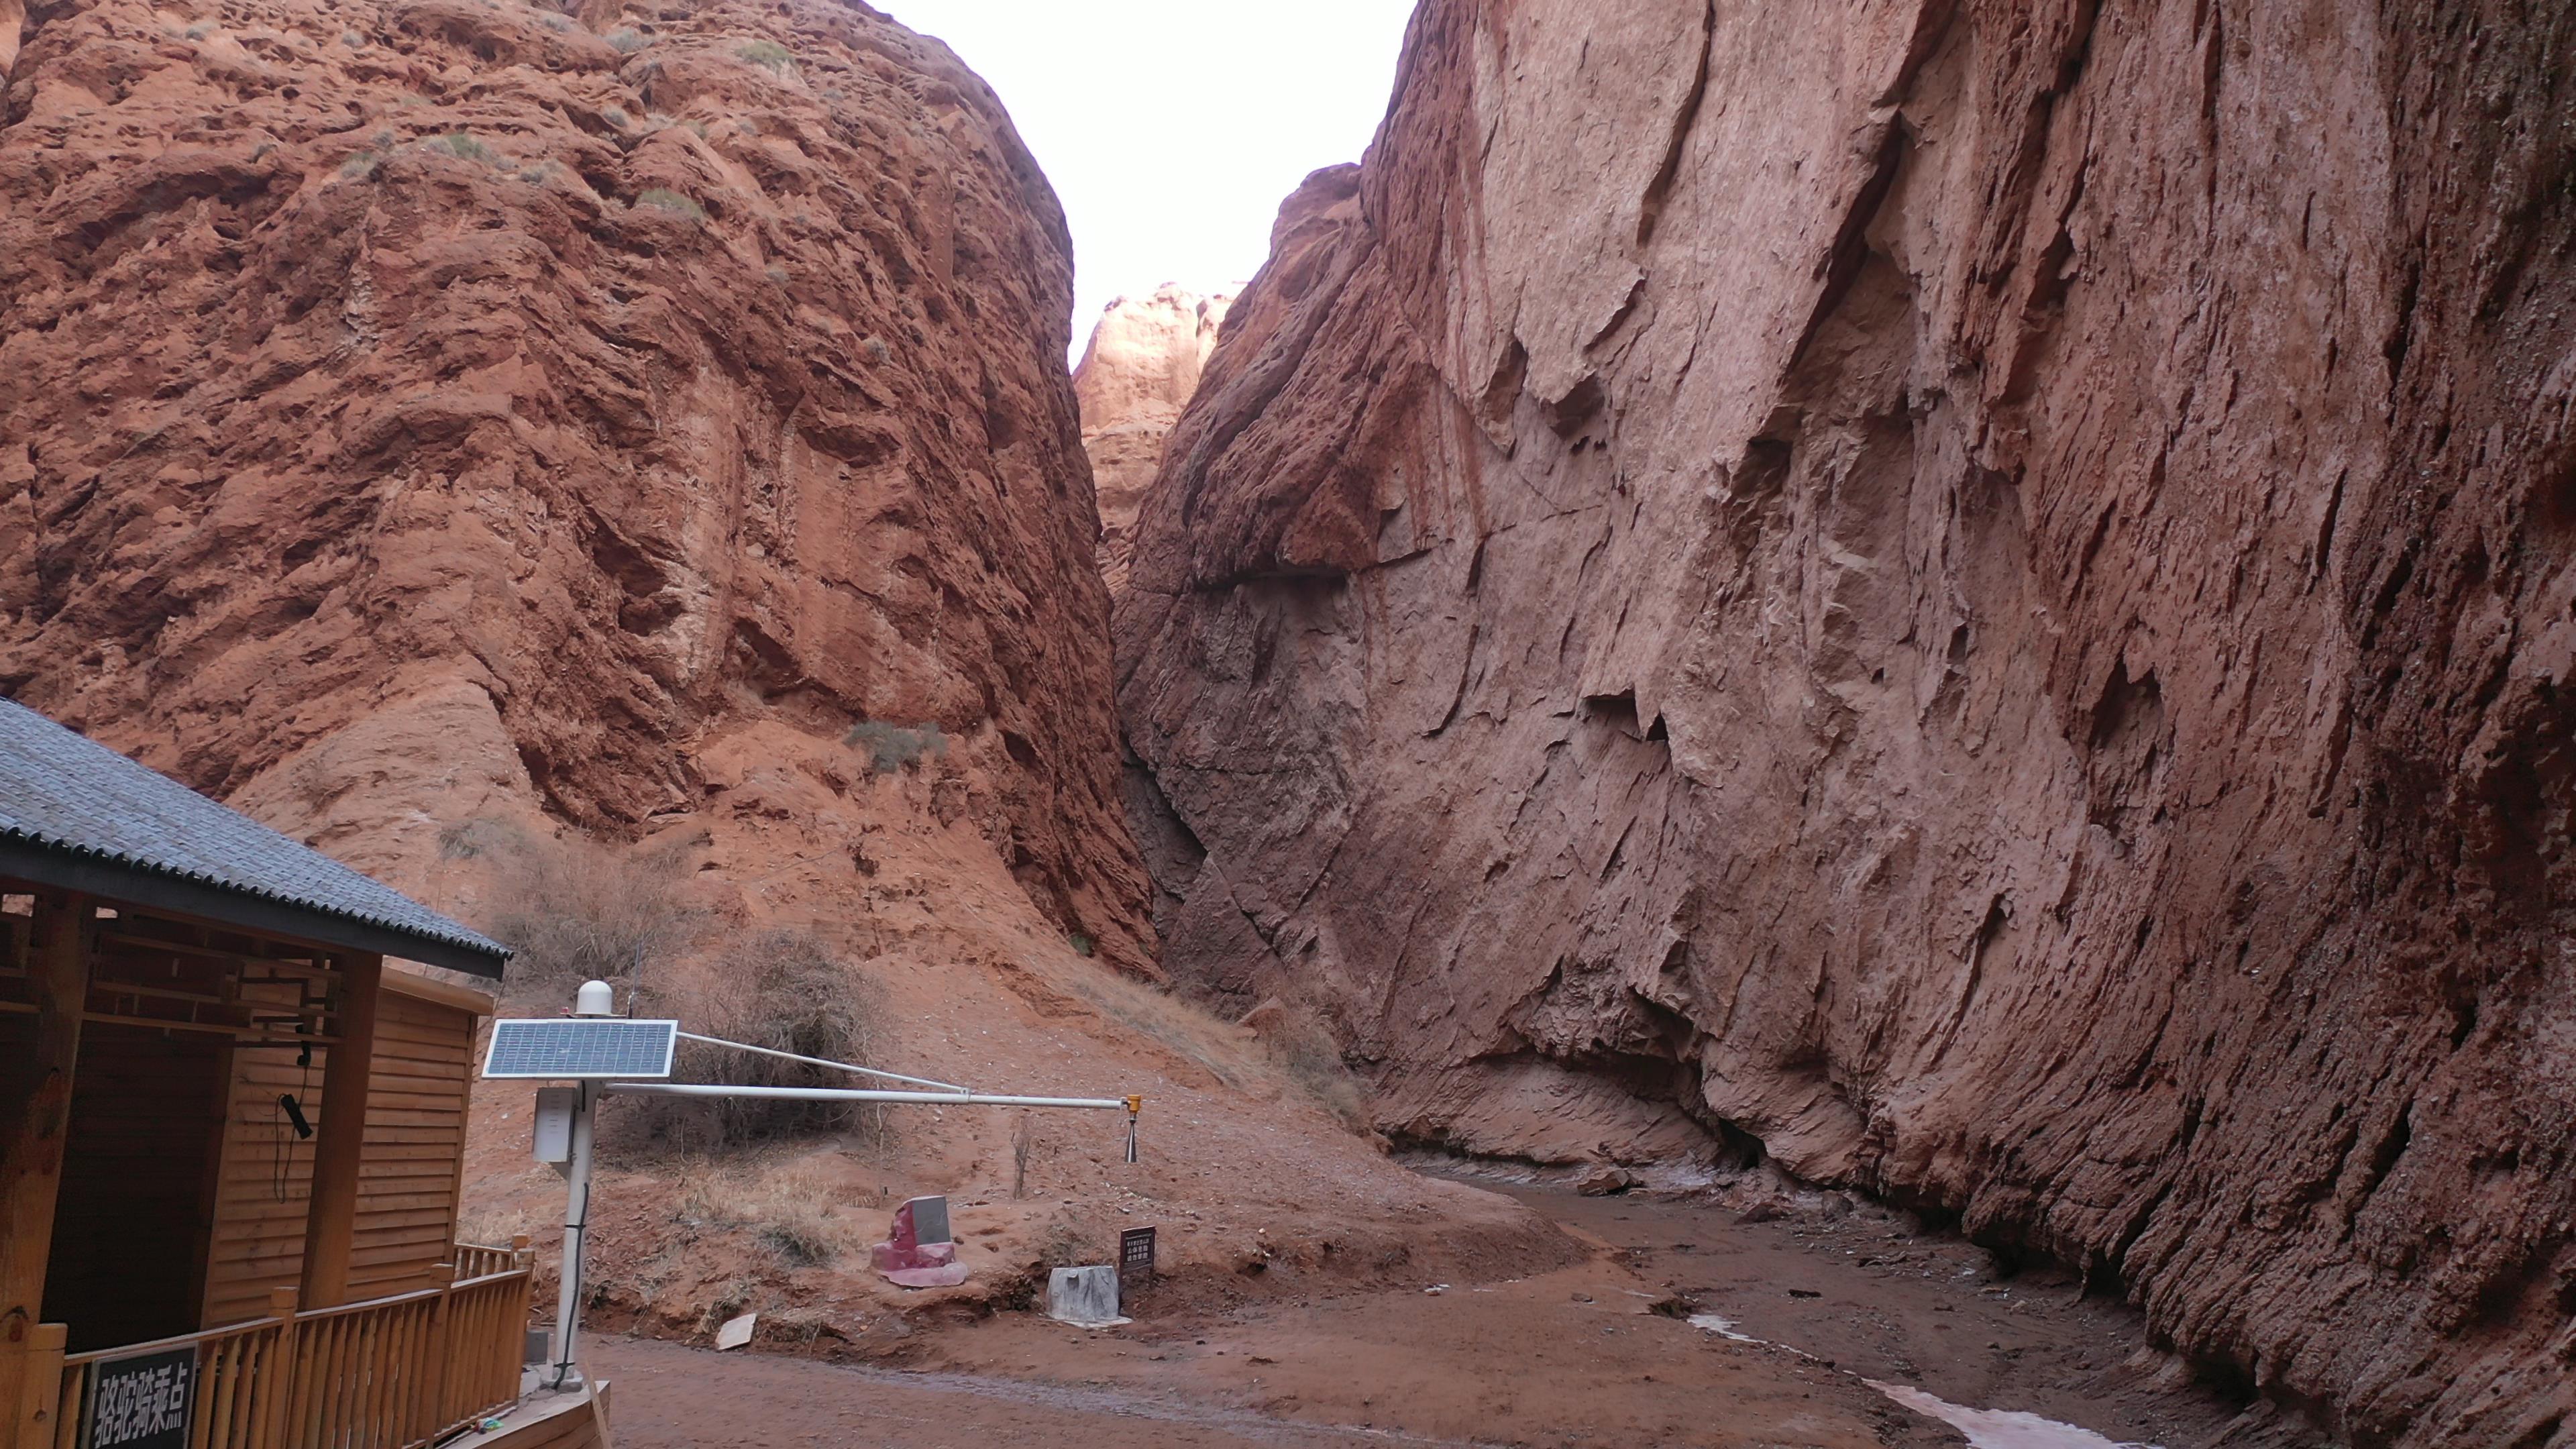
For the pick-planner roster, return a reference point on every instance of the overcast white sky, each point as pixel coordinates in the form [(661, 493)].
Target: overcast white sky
[(1172, 128)]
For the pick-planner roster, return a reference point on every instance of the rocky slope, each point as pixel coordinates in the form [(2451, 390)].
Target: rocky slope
[(1970, 597), (1136, 374), (416, 402)]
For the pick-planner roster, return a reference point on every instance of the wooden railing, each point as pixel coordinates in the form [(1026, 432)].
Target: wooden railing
[(235, 1405), (389, 1373), (475, 1260)]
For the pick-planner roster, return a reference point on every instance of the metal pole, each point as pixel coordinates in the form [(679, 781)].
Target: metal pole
[(576, 1228), (849, 1094), (820, 1062)]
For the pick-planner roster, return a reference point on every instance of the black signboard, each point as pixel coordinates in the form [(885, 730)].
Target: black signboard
[(1135, 1254), (142, 1402)]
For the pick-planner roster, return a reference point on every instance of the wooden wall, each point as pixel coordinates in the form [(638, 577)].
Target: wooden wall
[(409, 1174), (263, 1182)]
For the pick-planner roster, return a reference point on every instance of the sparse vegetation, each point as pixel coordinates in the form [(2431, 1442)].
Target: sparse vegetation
[(662, 198), (463, 146), (1069, 1246), (353, 40), (1080, 943), (628, 41), (786, 991), (1178, 1025), (876, 350), (1306, 1051), (891, 747), (615, 116), (577, 911), (792, 1212), (768, 54), (493, 1227)]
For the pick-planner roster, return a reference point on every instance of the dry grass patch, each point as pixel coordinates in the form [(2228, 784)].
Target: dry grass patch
[(794, 1211)]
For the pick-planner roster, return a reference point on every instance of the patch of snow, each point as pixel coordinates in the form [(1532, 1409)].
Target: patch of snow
[(1995, 1428), (1722, 1327)]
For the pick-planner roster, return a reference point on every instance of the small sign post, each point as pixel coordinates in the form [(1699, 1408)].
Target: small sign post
[(142, 1402), (1135, 1257)]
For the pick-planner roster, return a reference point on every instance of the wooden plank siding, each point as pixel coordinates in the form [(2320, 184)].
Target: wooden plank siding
[(415, 1145), (264, 1183), (408, 1175)]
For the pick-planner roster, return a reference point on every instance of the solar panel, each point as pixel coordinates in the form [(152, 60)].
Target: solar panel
[(579, 1046)]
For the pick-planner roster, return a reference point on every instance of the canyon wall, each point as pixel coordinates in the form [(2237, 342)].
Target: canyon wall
[(419, 410), (1971, 597), (1136, 375)]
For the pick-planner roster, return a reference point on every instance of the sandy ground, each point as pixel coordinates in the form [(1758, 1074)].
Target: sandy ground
[(1818, 1303)]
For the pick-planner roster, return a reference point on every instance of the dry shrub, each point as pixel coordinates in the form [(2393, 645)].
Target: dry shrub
[(1070, 1245), (784, 990), (1303, 1046), (892, 747), (577, 911)]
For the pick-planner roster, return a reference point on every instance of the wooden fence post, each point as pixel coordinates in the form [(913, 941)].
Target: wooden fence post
[(33, 1379), (442, 1329), (270, 1428)]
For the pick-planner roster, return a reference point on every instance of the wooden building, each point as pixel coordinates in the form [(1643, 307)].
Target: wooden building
[(231, 1134)]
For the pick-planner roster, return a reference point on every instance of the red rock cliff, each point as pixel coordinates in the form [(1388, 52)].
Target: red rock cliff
[(407, 407), (1136, 374), (1978, 592)]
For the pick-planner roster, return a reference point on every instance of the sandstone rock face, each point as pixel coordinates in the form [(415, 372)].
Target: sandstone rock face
[(1136, 374), (1978, 593), (413, 408)]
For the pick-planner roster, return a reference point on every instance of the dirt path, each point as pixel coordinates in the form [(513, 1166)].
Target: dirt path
[(670, 1397), (1796, 1318)]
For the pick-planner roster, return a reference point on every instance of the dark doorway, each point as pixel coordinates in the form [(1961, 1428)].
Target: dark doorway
[(131, 1219)]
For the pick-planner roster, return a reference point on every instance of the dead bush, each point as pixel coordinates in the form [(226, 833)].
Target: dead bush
[(574, 910), (787, 991), (1069, 1245)]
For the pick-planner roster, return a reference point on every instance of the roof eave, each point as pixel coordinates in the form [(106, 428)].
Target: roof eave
[(157, 890)]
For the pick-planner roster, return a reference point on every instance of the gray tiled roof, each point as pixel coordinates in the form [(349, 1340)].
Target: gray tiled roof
[(65, 794)]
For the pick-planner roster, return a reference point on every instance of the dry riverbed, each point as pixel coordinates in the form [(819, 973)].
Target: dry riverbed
[(1806, 1321)]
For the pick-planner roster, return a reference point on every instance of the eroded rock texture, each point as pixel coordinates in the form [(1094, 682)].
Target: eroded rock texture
[(406, 403), (1136, 375), (1980, 593)]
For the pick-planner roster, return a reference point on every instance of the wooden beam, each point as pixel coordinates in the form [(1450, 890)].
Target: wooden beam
[(330, 1226), (36, 1098), (423, 988)]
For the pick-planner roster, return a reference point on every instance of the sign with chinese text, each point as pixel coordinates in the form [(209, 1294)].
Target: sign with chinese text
[(141, 1402)]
